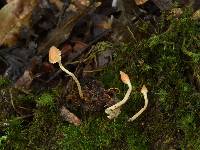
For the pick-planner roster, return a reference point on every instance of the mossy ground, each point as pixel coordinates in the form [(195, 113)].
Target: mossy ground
[(166, 62)]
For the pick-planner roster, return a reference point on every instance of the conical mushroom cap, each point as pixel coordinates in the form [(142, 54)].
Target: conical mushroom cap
[(54, 55), (144, 89), (124, 77)]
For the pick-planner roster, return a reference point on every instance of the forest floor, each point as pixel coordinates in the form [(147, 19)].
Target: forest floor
[(159, 49)]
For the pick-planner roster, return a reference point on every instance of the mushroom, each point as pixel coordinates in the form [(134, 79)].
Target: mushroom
[(55, 57), (144, 91), (114, 110)]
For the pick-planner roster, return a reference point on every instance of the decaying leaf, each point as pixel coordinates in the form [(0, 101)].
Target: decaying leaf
[(69, 116), (25, 80), (14, 15), (163, 4), (140, 2), (176, 12), (81, 3), (196, 15), (58, 3)]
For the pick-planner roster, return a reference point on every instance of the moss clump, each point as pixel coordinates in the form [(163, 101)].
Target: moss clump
[(4, 82), (37, 133), (162, 63), (99, 133), (45, 99)]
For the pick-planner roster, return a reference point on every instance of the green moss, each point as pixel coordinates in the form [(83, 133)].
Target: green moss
[(2, 141), (4, 82), (100, 133), (165, 63), (15, 139), (39, 134), (162, 64), (46, 99)]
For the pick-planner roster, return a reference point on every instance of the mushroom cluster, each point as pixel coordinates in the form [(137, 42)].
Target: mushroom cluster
[(114, 110)]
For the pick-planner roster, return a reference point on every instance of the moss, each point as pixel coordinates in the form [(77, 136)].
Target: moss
[(165, 63), (99, 133), (39, 134), (4, 82), (45, 99), (162, 64), (38, 130)]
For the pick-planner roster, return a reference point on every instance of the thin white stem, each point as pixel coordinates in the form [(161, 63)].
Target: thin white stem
[(114, 110), (74, 78), (124, 99), (141, 110)]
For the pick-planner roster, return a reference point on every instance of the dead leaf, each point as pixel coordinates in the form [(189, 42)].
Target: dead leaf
[(47, 67), (80, 4), (163, 4), (140, 2), (25, 80), (104, 25), (66, 50), (196, 15), (15, 14), (57, 3), (79, 45), (70, 117)]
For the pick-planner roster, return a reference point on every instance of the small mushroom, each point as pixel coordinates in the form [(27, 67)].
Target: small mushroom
[(55, 57), (144, 91), (114, 110)]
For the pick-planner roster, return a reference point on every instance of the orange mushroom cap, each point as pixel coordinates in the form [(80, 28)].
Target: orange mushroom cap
[(124, 77), (54, 55)]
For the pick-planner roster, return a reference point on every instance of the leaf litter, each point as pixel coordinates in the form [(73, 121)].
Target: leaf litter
[(72, 26)]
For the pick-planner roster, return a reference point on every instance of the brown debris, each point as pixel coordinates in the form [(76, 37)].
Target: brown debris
[(96, 98), (25, 80), (196, 15), (140, 2), (15, 14), (62, 32), (69, 116), (163, 4), (57, 3)]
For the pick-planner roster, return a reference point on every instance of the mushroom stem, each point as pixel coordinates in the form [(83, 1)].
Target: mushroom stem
[(144, 92), (124, 99), (73, 76), (114, 110)]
